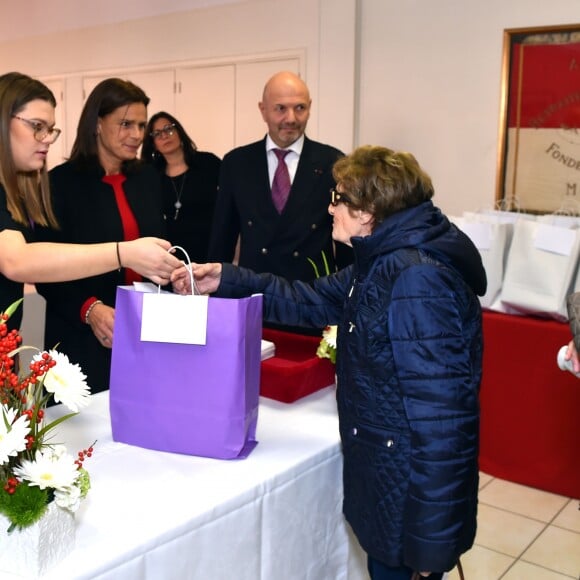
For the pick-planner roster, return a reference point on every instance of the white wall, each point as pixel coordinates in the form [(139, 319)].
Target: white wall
[(430, 73)]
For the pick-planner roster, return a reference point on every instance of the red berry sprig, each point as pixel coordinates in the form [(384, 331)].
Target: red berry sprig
[(11, 484), (82, 455), (10, 384), (30, 414)]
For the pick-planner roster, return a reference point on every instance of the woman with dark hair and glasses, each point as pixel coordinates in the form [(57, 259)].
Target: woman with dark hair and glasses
[(408, 364), (26, 132), (189, 181), (102, 194)]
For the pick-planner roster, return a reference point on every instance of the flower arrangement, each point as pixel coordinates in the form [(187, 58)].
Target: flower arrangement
[(34, 471), (327, 346)]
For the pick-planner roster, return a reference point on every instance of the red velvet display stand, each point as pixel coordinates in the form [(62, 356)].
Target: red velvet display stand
[(295, 371), (530, 427)]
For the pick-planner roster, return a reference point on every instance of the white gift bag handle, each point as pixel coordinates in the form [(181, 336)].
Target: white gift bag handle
[(194, 288)]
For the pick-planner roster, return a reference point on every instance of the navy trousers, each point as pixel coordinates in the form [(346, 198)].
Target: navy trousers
[(380, 571)]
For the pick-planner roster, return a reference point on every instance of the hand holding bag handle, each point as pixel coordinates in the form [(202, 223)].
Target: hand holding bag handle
[(194, 288)]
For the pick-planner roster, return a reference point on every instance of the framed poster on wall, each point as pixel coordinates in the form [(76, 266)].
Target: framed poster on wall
[(539, 142)]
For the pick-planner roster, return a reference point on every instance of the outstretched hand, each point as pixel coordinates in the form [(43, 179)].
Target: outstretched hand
[(572, 354), (150, 258), (207, 278)]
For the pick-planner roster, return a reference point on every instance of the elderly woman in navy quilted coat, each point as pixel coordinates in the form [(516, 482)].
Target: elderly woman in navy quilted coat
[(409, 356)]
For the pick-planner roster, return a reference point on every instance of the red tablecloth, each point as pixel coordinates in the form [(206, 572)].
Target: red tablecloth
[(530, 427)]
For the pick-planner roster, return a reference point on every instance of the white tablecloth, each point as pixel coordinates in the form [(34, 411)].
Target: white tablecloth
[(273, 516)]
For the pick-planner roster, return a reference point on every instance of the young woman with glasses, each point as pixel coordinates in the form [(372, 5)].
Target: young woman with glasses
[(26, 132), (189, 181)]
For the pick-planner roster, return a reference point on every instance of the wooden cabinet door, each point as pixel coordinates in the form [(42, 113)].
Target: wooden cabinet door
[(205, 106)]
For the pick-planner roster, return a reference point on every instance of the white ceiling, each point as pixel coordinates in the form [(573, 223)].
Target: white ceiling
[(30, 18)]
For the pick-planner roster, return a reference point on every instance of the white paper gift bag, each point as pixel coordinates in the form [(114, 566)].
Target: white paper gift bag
[(492, 238), (542, 263)]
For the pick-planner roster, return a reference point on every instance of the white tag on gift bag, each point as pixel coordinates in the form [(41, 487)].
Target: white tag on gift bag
[(174, 318), (558, 240)]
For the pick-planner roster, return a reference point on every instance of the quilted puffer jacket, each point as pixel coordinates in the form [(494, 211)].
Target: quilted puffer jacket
[(409, 357)]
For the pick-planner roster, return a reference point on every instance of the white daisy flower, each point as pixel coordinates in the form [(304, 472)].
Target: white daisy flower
[(49, 469), (12, 433), (66, 382)]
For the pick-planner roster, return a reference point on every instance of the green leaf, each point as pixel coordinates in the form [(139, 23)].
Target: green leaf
[(313, 264), (326, 266), (21, 348), (54, 423), (13, 307)]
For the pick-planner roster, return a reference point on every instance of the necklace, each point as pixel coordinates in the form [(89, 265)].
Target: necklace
[(177, 204)]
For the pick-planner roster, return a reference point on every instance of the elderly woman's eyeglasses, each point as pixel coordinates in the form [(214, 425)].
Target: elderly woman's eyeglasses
[(167, 130), (336, 197), (40, 130)]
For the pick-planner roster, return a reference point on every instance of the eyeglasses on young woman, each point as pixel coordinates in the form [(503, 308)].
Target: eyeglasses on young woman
[(40, 129)]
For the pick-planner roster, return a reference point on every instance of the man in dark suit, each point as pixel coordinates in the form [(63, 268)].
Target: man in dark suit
[(291, 237)]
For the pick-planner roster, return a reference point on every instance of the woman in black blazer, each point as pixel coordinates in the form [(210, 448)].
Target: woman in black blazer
[(189, 180), (103, 193)]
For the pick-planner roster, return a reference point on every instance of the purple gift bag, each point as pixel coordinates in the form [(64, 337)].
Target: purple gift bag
[(188, 398)]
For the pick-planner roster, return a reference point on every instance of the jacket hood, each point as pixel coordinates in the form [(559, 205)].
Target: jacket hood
[(425, 228)]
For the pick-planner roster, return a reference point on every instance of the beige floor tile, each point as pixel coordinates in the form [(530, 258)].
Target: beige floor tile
[(526, 501), (556, 549), (484, 479), (482, 564), (505, 532), (522, 570), (569, 517)]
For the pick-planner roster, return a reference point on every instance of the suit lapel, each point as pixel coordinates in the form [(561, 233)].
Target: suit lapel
[(262, 176), (260, 181), (307, 174)]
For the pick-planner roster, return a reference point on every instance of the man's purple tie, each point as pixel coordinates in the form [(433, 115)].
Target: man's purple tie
[(281, 182)]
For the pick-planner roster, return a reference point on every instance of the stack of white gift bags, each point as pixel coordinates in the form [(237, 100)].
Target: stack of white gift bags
[(531, 261)]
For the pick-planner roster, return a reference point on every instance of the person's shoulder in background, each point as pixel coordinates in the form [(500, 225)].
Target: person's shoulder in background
[(244, 150), (330, 152), (206, 159)]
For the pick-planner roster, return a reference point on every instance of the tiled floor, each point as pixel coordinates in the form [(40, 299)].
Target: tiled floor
[(523, 534)]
